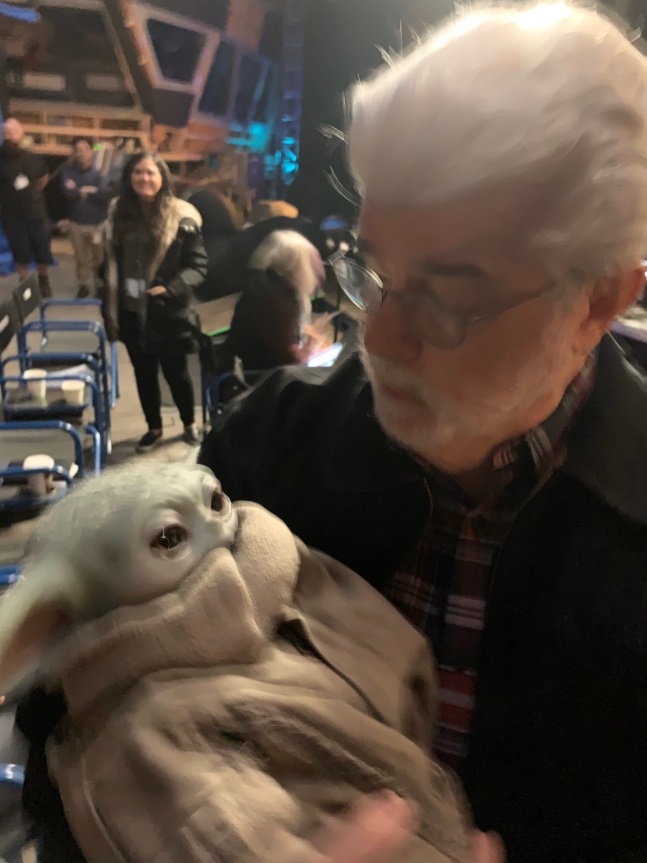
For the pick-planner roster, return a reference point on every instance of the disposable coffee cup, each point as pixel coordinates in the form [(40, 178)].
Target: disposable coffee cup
[(39, 483), (36, 380), (73, 392)]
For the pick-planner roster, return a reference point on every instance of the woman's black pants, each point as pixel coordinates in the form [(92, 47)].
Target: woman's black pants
[(175, 368)]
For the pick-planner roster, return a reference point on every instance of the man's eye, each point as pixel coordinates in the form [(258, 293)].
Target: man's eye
[(448, 296)]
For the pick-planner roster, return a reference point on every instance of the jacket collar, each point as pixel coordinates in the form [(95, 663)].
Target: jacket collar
[(607, 445), (177, 211)]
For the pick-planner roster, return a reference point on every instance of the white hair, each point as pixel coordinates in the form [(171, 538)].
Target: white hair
[(293, 258), (547, 97)]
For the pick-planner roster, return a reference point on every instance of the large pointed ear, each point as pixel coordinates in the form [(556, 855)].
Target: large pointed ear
[(32, 613)]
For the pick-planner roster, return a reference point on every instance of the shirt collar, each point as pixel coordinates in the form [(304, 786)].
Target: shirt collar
[(607, 441)]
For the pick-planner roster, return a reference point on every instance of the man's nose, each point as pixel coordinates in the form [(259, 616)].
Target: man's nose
[(388, 335)]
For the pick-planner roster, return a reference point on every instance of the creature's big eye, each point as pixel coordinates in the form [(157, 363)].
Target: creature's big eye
[(167, 539), (217, 501)]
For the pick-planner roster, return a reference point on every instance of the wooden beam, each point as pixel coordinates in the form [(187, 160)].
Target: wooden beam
[(73, 131)]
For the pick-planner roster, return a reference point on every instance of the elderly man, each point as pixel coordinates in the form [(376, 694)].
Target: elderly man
[(484, 464), (23, 176)]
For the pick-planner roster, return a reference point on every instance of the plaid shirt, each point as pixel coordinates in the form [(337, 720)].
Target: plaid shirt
[(441, 589)]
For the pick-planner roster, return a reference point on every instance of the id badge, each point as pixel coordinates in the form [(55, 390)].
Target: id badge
[(21, 183), (135, 288)]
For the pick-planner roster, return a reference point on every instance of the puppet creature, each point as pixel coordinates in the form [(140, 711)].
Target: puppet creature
[(227, 689)]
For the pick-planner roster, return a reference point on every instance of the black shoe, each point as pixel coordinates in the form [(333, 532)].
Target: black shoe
[(149, 441), (45, 287), (83, 293), (192, 436)]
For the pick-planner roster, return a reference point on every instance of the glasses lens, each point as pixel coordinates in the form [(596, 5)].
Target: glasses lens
[(362, 287), (430, 321)]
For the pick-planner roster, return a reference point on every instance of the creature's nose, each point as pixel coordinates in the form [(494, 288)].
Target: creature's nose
[(214, 498), (220, 503)]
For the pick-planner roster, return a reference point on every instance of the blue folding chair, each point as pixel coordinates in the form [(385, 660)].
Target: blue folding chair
[(67, 339), (218, 390), (53, 352), (28, 409), (114, 359), (59, 365), (61, 441)]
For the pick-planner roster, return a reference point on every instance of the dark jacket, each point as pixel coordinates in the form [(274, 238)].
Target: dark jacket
[(558, 761), (26, 202), (93, 209), (166, 323), (265, 329)]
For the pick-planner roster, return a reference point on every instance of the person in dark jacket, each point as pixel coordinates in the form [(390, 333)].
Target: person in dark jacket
[(485, 466), (23, 177), (86, 191), (557, 752), (271, 322), (229, 265), (155, 260)]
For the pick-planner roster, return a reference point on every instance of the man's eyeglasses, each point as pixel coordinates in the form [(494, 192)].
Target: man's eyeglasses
[(429, 318)]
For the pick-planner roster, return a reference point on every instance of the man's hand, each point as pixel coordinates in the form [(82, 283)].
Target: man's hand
[(378, 827), (487, 848), (84, 191), (372, 832), (158, 291)]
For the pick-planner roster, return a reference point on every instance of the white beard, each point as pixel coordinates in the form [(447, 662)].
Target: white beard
[(435, 418)]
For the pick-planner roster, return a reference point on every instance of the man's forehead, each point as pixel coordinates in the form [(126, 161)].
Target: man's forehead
[(482, 227), (448, 230)]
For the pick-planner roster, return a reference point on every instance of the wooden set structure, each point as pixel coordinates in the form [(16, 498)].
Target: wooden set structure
[(193, 79)]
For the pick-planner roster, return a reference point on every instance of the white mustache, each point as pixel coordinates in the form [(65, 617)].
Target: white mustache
[(389, 374)]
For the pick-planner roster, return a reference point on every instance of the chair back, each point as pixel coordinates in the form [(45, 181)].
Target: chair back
[(27, 297), (9, 324)]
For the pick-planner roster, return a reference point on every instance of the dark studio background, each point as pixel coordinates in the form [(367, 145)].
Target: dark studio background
[(342, 45), (342, 39)]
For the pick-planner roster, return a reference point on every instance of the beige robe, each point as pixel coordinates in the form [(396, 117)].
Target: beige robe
[(226, 721)]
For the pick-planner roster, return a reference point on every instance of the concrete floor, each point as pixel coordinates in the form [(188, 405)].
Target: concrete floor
[(127, 418)]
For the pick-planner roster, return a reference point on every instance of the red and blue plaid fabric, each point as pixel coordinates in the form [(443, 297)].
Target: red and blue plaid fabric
[(441, 589)]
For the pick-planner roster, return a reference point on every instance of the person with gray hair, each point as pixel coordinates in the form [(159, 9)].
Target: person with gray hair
[(484, 462), (271, 325)]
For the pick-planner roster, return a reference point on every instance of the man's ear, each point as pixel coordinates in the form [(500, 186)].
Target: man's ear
[(32, 613), (610, 297)]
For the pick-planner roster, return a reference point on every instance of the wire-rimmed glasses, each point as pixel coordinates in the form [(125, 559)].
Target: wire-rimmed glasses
[(428, 317)]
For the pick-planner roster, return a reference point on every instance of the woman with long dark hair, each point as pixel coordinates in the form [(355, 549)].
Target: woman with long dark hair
[(155, 260)]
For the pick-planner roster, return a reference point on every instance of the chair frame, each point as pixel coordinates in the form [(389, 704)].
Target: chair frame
[(17, 471), (114, 358), (31, 359), (12, 412)]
